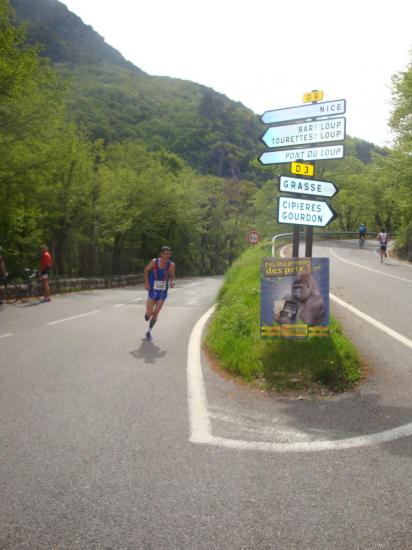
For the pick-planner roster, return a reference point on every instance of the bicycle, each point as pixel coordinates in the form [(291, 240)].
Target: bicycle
[(30, 289), (9, 292), (362, 241)]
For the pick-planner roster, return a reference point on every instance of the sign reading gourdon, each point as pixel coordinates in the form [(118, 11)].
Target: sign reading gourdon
[(319, 131), (304, 212)]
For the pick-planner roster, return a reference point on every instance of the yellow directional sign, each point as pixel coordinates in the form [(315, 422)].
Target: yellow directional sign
[(302, 168), (314, 95)]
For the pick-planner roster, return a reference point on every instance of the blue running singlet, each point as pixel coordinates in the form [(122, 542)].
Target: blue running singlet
[(159, 281)]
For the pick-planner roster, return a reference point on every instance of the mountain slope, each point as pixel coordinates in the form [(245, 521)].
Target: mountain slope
[(114, 100)]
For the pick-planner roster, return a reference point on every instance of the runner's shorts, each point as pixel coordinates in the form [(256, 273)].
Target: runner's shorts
[(157, 294)]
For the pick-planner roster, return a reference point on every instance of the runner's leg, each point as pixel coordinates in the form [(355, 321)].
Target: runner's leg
[(150, 304), (158, 307)]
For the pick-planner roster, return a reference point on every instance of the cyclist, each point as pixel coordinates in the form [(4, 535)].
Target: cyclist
[(383, 239), (45, 266), (158, 274), (362, 233)]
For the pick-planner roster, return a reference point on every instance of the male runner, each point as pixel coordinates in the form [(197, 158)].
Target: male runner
[(158, 273), (383, 239)]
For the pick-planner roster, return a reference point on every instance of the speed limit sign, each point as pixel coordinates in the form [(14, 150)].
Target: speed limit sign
[(253, 237)]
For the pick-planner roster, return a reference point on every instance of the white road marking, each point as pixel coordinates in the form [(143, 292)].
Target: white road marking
[(128, 302), (200, 426), (72, 318), (373, 321), (7, 334), (368, 268)]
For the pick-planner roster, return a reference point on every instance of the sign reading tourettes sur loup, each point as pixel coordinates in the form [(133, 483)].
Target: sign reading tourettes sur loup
[(304, 133)]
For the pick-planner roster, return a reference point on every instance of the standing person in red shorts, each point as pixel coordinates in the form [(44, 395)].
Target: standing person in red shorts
[(158, 274), (45, 266)]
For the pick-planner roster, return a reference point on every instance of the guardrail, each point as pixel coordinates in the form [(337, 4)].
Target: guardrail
[(319, 234)]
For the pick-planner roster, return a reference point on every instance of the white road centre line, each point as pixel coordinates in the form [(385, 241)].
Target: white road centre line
[(372, 321), (6, 335), (73, 318), (201, 430), (128, 302), (368, 268)]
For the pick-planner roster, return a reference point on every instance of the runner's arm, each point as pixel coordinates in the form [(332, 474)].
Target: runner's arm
[(172, 275), (146, 270)]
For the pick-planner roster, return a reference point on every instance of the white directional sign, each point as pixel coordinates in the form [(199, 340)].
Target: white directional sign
[(314, 110), (304, 212), (319, 188), (304, 133), (308, 154)]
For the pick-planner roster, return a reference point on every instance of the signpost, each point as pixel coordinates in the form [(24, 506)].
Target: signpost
[(304, 212), (326, 152), (305, 133), (302, 112), (317, 123), (308, 187)]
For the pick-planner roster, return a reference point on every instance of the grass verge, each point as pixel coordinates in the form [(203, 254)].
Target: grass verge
[(233, 337)]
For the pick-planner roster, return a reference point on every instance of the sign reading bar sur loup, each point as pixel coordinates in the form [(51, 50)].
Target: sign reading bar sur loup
[(307, 154), (305, 133), (314, 110), (319, 188), (304, 212)]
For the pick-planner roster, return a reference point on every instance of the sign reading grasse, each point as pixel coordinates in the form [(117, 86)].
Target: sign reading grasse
[(319, 131), (307, 187)]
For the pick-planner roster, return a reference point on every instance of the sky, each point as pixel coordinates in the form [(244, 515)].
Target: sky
[(267, 53)]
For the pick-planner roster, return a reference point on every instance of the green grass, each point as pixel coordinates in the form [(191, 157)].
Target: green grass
[(233, 337)]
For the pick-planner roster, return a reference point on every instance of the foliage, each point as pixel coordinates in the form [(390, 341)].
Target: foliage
[(106, 163)]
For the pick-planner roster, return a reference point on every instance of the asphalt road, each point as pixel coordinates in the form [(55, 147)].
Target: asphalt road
[(111, 442)]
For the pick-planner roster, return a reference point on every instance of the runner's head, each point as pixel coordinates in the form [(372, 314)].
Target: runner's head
[(165, 251)]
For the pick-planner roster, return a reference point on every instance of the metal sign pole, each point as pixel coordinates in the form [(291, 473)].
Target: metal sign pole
[(309, 241), (296, 235)]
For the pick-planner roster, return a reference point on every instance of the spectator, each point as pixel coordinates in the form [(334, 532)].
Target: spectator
[(45, 266)]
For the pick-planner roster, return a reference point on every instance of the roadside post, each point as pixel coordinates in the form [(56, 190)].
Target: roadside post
[(301, 135)]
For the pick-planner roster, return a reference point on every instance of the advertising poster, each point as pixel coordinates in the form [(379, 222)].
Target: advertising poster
[(294, 297)]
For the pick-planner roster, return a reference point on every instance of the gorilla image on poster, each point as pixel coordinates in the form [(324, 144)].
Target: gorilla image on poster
[(295, 297)]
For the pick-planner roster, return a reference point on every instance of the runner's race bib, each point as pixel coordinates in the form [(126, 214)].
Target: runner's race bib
[(159, 285)]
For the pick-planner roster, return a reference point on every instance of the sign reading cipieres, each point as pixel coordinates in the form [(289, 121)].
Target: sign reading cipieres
[(304, 212), (307, 187), (305, 133), (305, 154)]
